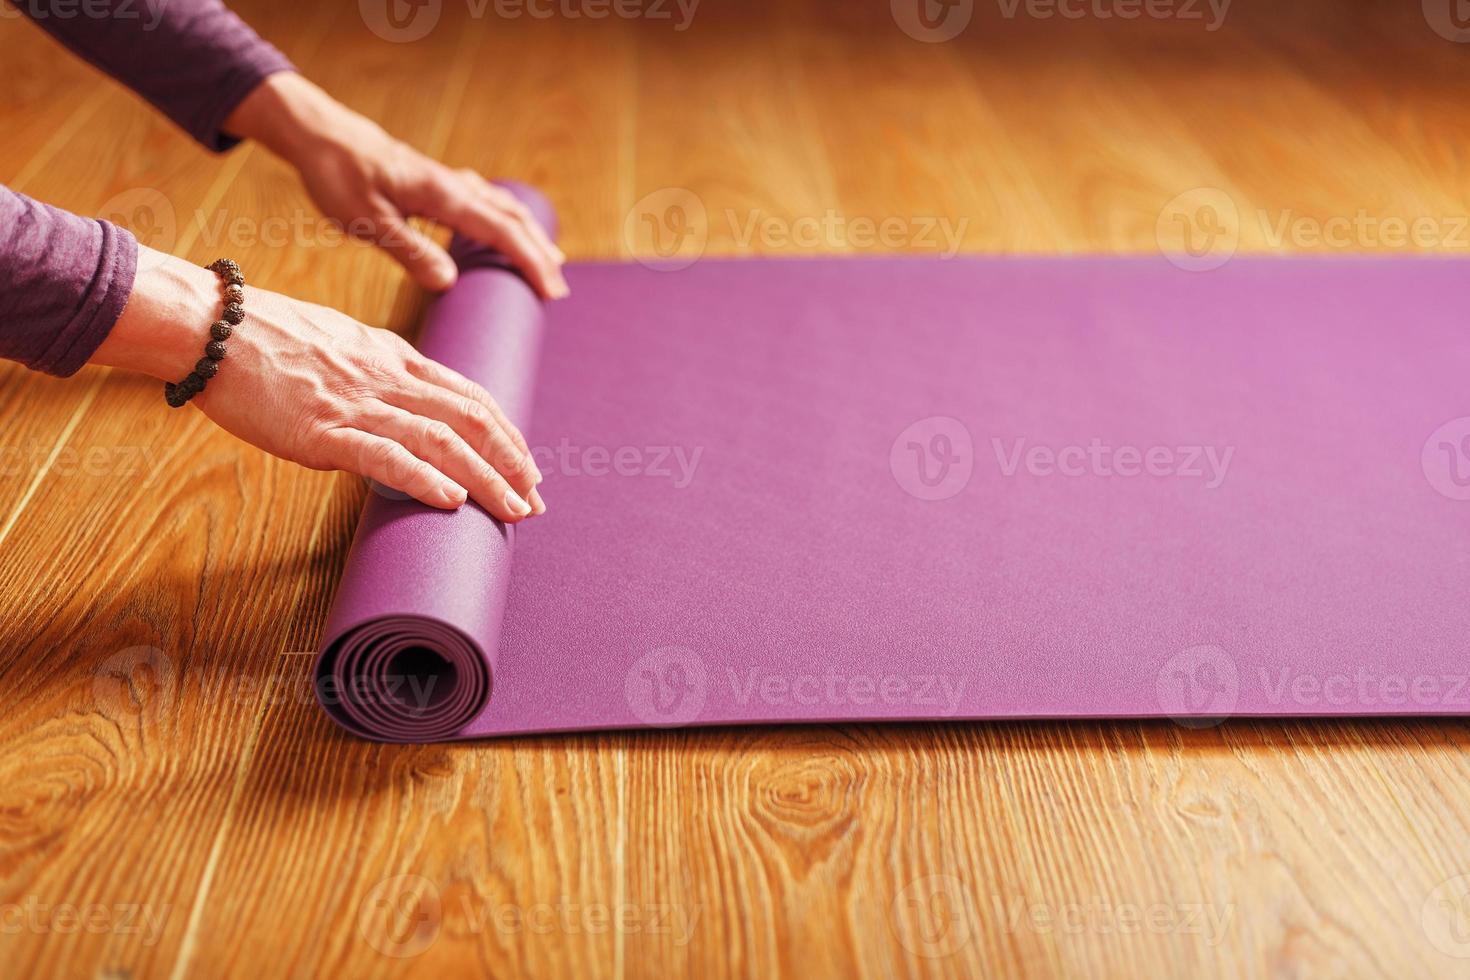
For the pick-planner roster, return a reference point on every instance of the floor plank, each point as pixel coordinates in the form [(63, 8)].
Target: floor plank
[(161, 584)]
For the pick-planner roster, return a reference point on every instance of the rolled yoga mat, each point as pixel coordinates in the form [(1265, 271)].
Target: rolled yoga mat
[(831, 490)]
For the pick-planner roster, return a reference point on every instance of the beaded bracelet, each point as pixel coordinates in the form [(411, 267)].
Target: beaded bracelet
[(228, 271)]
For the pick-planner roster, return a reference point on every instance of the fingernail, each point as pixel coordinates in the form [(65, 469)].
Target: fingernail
[(538, 505), (515, 504), (455, 494)]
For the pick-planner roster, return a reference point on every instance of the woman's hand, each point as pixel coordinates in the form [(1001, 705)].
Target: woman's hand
[(311, 385), (372, 184)]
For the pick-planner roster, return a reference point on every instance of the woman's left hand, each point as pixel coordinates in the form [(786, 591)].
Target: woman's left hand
[(372, 184)]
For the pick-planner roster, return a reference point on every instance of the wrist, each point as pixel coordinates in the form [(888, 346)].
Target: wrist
[(167, 318), (290, 116)]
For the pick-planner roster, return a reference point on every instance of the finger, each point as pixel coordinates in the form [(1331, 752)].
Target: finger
[(393, 466), (538, 506), (469, 214), (504, 200), (430, 370), (438, 444), (428, 264), (473, 423)]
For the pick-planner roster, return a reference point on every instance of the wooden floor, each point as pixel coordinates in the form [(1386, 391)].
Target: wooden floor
[(172, 803)]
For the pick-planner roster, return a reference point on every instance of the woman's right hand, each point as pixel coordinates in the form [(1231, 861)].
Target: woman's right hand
[(311, 385)]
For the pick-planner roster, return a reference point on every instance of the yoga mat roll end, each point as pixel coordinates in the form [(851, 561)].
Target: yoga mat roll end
[(409, 648)]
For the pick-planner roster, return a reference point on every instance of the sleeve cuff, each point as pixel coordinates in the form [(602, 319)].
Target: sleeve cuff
[(101, 305), (240, 84)]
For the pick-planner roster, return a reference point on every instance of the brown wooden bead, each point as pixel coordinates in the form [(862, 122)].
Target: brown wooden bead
[(193, 384), (206, 368), (216, 350), (221, 330), (234, 294), (234, 313)]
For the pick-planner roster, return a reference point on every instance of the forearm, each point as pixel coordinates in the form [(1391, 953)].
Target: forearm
[(192, 59), (294, 118)]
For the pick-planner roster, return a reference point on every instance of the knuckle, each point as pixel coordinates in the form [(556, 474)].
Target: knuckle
[(516, 467), (439, 436)]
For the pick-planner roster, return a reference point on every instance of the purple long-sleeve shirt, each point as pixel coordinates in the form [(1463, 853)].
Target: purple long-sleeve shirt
[(64, 279)]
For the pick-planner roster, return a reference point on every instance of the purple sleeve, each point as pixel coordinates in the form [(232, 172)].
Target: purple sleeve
[(64, 281), (193, 59)]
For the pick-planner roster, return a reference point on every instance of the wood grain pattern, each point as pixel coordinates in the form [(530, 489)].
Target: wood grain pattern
[(168, 777)]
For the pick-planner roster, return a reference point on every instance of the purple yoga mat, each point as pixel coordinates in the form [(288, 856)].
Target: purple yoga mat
[(888, 489)]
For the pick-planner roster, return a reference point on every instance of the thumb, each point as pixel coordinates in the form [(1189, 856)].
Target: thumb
[(430, 266)]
